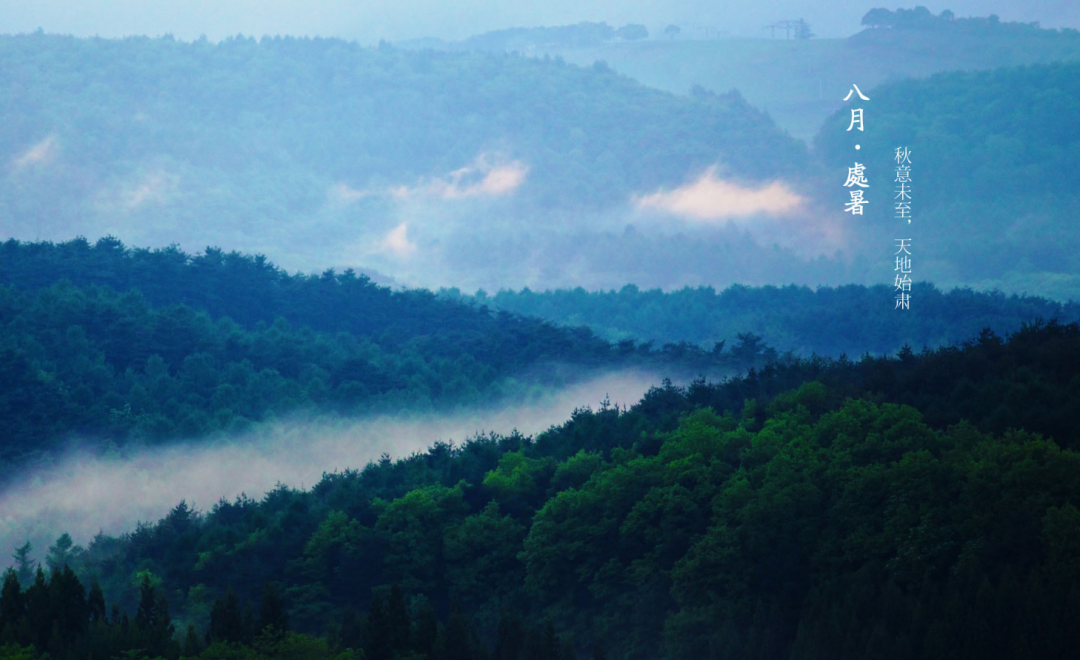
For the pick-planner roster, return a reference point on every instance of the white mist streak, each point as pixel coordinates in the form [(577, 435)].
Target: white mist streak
[(83, 493), (710, 198)]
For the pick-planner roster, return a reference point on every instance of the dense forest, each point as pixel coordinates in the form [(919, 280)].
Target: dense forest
[(813, 475), (923, 505), (114, 343), (827, 321), (111, 342)]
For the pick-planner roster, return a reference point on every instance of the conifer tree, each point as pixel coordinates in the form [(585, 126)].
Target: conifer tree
[(272, 612), (509, 637), (12, 607), (24, 565), (398, 619), (67, 598), (62, 553), (425, 634), (378, 640), (458, 644), (352, 629), (192, 644), (146, 615), (226, 622), (38, 610), (95, 603)]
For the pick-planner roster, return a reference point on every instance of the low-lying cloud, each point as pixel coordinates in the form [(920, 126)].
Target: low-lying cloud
[(397, 242), (85, 492), (484, 177), (711, 199)]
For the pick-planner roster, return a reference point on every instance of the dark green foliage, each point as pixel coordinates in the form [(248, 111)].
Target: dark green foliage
[(192, 644), (398, 622), (272, 611), (457, 644), (510, 639), (425, 630), (95, 603), (795, 521), (77, 633), (828, 321), (352, 630), (147, 615), (923, 505), (126, 359), (226, 621), (379, 635), (12, 608)]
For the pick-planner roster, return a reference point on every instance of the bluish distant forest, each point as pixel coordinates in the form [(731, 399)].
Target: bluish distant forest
[(813, 474)]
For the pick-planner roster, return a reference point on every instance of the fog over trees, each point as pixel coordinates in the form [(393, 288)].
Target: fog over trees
[(504, 331)]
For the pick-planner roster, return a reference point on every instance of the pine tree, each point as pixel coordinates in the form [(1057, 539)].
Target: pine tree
[(24, 565), (39, 610), (272, 612), (95, 602), (398, 619), (248, 623), (458, 644), (378, 641), (425, 634), (62, 553), (541, 643), (67, 598), (146, 615), (509, 637), (192, 644), (352, 629), (160, 638), (226, 622), (12, 607)]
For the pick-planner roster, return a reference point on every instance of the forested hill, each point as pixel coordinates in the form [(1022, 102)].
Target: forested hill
[(249, 289), (995, 157), (243, 134), (106, 342), (796, 512), (112, 342), (851, 319)]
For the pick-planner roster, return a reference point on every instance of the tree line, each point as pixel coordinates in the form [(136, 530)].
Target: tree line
[(923, 505)]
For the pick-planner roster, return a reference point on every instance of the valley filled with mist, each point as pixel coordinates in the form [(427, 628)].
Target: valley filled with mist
[(538, 340)]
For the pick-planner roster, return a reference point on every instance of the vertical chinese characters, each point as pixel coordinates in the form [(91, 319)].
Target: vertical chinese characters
[(903, 275), (902, 282), (903, 184), (856, 175)]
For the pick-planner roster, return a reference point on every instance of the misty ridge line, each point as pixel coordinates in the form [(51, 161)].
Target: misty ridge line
[(487, 152), (86, 491), (493, 177)]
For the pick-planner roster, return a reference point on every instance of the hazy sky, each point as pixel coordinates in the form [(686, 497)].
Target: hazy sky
[(370, 20)]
